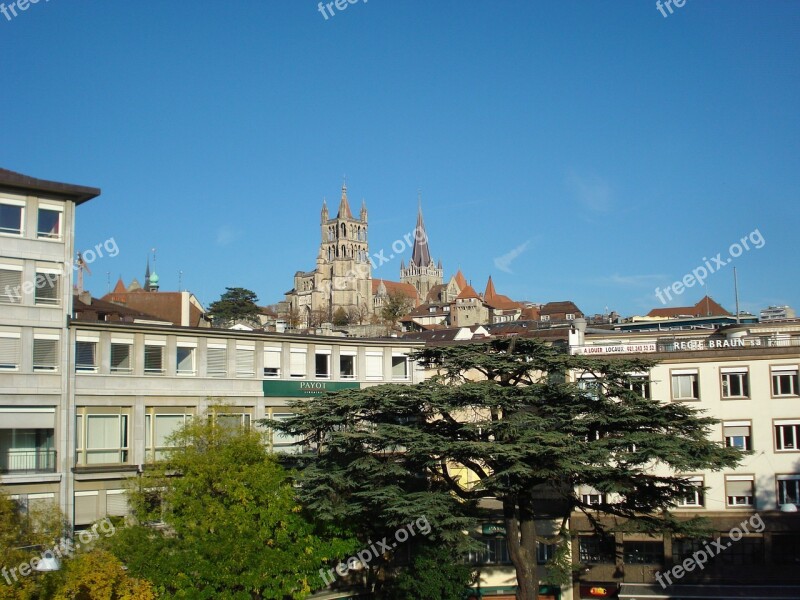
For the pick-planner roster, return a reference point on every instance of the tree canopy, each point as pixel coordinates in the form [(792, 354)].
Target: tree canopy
[(507, 412), (230, 524), (236, 304)]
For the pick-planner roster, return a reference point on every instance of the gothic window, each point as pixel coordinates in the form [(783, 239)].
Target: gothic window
[(344, 251), (330, 253), (330, 234), (344, 230)]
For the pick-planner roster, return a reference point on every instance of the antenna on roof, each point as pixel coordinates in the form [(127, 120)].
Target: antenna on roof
[(108, 282), (736, 293), (180, 281)]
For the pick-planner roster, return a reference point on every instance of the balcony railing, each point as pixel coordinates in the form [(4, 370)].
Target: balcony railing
[(28, 461)]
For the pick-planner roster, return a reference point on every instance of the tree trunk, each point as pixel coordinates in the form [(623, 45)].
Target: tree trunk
[(521, 539)]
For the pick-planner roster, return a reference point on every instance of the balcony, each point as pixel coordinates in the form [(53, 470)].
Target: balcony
[(21, 462)]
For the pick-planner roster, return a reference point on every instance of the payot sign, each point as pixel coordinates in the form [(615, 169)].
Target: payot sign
[(303, 389)]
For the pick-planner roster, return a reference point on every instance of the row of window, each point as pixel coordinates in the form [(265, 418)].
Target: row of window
[(216, 361), (49, 219), (103, 438), (45, 287), (738, 552), (735, 382), (739, 491), (45, 352)]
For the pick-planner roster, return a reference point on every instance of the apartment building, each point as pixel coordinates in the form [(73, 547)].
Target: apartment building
[(135, 384), (37, 219), (746, 376)]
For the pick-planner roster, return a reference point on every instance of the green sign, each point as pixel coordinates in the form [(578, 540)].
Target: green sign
[(304, 389), (493, 529)]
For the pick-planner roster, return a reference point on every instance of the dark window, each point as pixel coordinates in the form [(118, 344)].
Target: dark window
[(643, 553), (595, 549), (746, 551), (10, 219), (786, 549)]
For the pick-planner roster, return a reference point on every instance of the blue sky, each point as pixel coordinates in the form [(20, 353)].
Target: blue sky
[(578, 150)]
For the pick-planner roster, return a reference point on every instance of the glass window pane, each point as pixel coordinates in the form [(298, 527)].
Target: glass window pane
[(10, 219), (49, 223)]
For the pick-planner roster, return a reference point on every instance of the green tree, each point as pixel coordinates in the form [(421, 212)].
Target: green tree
[(24, 535), (232, 527), (99, 575), (506, 411), (435, 572), (236, 304), (395, 306), (340, 317)]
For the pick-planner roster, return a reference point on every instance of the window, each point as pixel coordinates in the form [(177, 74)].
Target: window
[(745, 551), (590, 387), (544, 317), (399, 367), (739, 490), (297, 363), (10, 284), (158, 428), (49, 226), (272, 362), (232, 420), (153, 358), (640, 384), (245, 361), (786, 549), (737, 434), (684, 385), (595, 549), (789, 489), (185, 360), (322, 364), (9, 351), (570, 317), (105, 440), (121, 357), (683, 548), (784, 381), (696, 498), (86, 356), (284, 443), (545, 552), (216, 360), (494, 552), (347, 365), (45, 353), (592, 499), (735, 383), (643, 553), (786, 435), (374, 365), (48, 284), (11, 217)]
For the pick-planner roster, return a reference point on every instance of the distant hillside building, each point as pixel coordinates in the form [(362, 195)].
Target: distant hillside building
[(706, 307), (777, 313)]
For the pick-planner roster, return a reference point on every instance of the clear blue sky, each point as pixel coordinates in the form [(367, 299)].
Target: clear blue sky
[(571, 149)]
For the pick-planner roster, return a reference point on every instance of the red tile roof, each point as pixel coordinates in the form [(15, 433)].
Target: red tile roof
[(707, 306), (467, 292), (395, 287), (460, 281)]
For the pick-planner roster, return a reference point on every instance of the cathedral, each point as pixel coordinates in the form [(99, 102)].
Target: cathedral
[(343, 278)]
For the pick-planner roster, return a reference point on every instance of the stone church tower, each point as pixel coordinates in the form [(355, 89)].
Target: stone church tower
[(343, 276), (344, 257), (421, 272)]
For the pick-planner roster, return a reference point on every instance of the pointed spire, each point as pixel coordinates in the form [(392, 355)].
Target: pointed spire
[(490, 293), (344, 207), (147, 275), (461, 281), (363, 210), (324, 212), (439, 266), (421, 254), (120, 287)]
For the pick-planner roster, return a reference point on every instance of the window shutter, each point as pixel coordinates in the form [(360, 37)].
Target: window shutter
[(374, 366), (47, 286), (297, 367), (9, 352), (217, 359), (85, 355), (10, 286), (739, 488), (86, 508), (731, 431), (245, 362), (45, 353), (116, 503)]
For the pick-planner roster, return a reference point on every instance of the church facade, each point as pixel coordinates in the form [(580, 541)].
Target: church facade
[(342, 281)]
